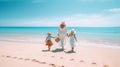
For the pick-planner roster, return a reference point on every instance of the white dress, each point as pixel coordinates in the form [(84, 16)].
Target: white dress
[(72, 41), (62, 35)]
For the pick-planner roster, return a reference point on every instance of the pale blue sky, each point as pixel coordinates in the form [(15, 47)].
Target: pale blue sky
[(51, 12)]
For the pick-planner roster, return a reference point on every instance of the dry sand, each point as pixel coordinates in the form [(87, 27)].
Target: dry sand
[(15, 54)]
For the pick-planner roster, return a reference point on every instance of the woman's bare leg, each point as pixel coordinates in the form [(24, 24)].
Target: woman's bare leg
[(62, 44)]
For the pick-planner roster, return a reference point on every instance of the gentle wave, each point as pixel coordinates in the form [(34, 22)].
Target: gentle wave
[(106, 36)]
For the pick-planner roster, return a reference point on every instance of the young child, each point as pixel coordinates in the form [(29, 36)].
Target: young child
[(48, 41), (72, 39)]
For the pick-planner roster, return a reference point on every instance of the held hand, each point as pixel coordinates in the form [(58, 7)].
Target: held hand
[(54, 37)]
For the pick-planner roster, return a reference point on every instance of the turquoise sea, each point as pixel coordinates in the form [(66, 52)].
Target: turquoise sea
[(109, 36)]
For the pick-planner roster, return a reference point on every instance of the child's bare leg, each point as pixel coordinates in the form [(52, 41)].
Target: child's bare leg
[(62, 47), (72, 48), (49, 48)]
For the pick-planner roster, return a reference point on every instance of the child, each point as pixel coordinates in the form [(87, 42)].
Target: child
[(48, 41), (72, 39)]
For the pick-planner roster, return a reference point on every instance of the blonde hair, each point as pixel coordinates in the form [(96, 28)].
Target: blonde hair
[(49, 33), (73, 31)]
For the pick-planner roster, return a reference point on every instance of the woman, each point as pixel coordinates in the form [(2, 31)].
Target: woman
[(62, 34)]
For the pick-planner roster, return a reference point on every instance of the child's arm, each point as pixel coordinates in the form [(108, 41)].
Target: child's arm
[(52, 36), (75, 37)]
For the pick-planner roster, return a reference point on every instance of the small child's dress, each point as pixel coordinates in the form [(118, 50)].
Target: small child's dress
[(72, 41), (49, 42)]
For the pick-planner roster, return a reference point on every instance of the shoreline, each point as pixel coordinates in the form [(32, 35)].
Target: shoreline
[(81, 43)]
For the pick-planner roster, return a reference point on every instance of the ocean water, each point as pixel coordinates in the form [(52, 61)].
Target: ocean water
[(108, 36)]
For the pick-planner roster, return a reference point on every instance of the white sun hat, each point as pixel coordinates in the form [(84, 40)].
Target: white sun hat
[(73, 30)]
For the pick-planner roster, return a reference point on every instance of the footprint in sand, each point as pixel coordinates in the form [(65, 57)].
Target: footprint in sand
[(81, 60), (52, 65), (42, 62), (94, 63), (71, 59), (14, 57), (38, 61), (34, 60), (55, 65), (20, 58), (26, 59), (8, 56), (105, 65)]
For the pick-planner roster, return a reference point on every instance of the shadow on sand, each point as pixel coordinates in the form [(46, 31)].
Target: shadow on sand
[(57, 50), (45, 50), (69, 52)]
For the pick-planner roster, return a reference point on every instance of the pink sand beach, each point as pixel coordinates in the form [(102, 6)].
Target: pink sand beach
[(16, 54)]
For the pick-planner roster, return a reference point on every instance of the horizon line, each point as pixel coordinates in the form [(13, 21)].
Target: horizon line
[(57, 26)]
